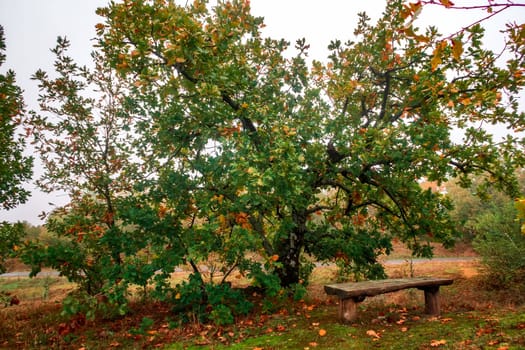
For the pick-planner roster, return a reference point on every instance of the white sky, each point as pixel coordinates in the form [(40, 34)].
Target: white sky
[(32, 26)]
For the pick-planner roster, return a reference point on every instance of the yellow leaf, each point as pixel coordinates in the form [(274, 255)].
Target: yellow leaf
[(180, 60), (177, 297), (457, 49), (436, 61), (519, 204)]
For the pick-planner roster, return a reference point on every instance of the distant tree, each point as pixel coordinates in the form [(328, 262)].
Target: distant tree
[(15, 168), (247, 137)]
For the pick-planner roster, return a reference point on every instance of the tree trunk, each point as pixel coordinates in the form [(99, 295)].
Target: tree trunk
[(289, 258), (289, 251)]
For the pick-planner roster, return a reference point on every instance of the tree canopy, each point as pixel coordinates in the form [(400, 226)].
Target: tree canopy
[(260, 137), (223, 149)]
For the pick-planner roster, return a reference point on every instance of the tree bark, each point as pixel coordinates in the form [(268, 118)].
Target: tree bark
[(290, 249)]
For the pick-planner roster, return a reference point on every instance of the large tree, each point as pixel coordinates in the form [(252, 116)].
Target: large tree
[(258, 151)]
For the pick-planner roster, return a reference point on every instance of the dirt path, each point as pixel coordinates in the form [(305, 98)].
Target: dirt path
[(386, 262)]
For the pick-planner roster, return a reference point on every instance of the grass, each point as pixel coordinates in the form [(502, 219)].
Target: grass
[(36, 288), (473, 318), (470, 330)]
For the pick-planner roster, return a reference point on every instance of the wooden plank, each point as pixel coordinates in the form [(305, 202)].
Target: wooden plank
[(371, 288)]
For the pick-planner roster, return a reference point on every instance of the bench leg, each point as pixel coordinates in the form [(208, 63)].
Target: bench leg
[(347, 310), (432, 305)]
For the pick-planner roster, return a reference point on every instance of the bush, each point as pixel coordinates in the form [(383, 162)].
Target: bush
[(502, 246), (10, 235), (206, 302)]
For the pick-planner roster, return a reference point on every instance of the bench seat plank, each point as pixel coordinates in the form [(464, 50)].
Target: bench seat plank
[(376, 287)]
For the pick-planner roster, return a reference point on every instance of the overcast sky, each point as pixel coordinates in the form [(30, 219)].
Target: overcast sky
[(32, 26)]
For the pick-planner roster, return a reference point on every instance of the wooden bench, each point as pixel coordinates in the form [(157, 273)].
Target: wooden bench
[(350, 294)]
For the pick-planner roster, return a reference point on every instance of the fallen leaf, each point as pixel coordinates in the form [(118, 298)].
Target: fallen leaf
[(258, 348), (313, 344), (404, 329), (373, 334), (322, 332), (436, 343)]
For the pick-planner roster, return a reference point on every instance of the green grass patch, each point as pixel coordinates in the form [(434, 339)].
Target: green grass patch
[(408, 330)]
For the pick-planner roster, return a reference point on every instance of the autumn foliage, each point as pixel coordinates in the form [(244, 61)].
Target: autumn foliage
[(213, 147)]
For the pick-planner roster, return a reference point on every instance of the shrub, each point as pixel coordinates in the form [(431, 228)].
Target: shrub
[(206, 302), (502, 246), (10, 235)]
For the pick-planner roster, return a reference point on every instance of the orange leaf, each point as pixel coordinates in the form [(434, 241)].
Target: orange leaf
[(373, 334), (465, 101), (322, 332), (436, 343), (446, 3)]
